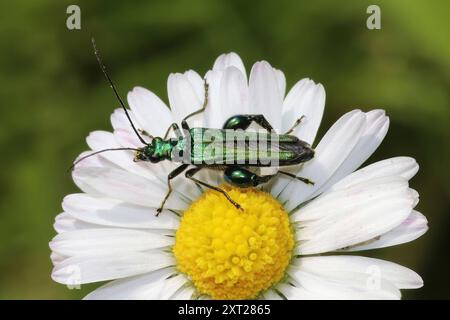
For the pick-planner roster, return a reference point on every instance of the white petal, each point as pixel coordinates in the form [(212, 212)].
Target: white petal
[(125, 186), (87, 269), (184, 98), (281, 80), (143, 287), (400, 166), (197, 83), (353, 215), (171, 286), (312, 211), (94, 242), (120, 122), (230, 60), (92, 160), (304, 99), (99, 140), (298, 293), (126, 138), (185, 293), (213, 114), (345, 285), (271, 295), (416, 196), (56, 258), (65, 222), (228, 96), (234, 94), (412, 228), (346, 266), (150, 111), (265, 95), (376, 127), (116, 213), (332, 150)]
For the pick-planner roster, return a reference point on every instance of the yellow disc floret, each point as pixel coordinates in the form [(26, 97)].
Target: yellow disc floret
[(230, 253)]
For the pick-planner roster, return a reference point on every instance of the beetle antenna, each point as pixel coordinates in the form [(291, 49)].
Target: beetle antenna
[(111, 84), (97, 152)]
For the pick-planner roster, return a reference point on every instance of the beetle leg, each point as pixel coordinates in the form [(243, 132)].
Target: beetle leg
[(171, 175), (243, 121), (191, 172), (295, 125), (305, 180), (205, 103), (262, 121), (184, 123), (185, 126), (176, 129), (145, 133)]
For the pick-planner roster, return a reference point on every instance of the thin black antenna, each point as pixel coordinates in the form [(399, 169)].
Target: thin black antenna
[(102, 66), (97, 152)]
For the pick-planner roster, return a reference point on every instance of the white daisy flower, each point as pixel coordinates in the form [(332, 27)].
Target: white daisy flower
[(282, 246)]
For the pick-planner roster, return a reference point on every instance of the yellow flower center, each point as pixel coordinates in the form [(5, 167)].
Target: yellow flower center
[(230, 253)]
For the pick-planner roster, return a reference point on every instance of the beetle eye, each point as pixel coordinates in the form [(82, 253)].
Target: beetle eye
[(137, 156), (141, 155)]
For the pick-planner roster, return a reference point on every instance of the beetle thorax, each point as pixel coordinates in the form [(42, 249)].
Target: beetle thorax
[(161, 149)]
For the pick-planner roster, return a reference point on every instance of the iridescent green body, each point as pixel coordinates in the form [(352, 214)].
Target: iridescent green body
[(232, 149), (227, 147)]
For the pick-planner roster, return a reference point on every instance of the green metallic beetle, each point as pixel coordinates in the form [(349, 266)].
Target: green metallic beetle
[(235, 156)]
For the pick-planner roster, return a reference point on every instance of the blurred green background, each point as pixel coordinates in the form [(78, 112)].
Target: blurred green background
[(53, 94)]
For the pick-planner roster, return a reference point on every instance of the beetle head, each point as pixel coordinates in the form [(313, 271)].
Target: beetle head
[(148, 152)]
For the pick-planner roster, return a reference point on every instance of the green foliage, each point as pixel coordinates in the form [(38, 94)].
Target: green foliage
[(53, 94)]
